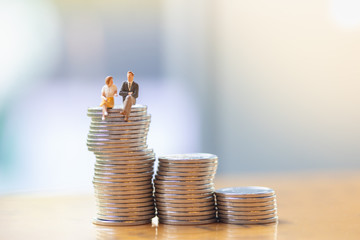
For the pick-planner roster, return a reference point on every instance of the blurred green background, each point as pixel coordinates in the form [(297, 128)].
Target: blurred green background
[(268, 86)]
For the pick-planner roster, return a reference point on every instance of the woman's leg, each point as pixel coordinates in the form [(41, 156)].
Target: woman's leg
[(104, 112)]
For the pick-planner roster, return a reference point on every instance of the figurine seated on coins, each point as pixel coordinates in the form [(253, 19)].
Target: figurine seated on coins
[(129, 91), (108, 92)]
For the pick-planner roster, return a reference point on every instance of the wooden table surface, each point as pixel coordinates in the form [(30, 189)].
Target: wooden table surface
[(310, 206)]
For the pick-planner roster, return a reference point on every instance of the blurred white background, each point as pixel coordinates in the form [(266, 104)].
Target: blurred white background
[(268, 86)]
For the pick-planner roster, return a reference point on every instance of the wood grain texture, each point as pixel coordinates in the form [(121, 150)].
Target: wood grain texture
[(310, 206)]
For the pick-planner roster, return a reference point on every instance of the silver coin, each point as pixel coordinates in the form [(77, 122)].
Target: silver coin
[(185, 174), (145, 192), (186, 192), (116, 141), (121, 143), (125, 205), (245, 200), (185, 209), (120, 223), (183, 196), (134, 200), (134, 151), (126, 210), (111, 146), (119, 124), (113, 129), (130, 146), (245, 204), (249, 222), (247, 213), (119, 165), (128, 213), (185, 182), (123, 187), (124, 154), (102, 170), (187, 170), (184, 178), (251, 191), (124, 166), (118, 134), (246, 217), (111, 119), (161, 185), (118, 108), (146, 154), (117, 112), (128, 159), (246, 209), (122, 180), (190, 222), (189, 158), (135, 133), (116, 115), (125, 184), (122, 197), (122, 175), (117, 149), (209, 199), (186, 214), (188, 218), (126, 218), (187, 165), (184, 204)]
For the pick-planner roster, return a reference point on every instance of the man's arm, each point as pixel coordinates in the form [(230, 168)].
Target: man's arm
[(136, 91), (123, 92)]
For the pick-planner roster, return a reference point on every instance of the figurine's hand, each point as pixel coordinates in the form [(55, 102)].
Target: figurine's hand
[(130, 93), (115, 95)]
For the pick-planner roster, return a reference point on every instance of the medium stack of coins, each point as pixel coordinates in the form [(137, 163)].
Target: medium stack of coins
[(246, 205), (184, 189), (123, 168)]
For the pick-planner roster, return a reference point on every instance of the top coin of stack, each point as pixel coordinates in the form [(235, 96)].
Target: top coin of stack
[(184, 189), (246, 205), (123, 168)]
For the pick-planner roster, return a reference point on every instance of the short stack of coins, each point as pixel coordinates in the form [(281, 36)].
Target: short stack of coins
[(184, 189), (246, 205), (123, 168)]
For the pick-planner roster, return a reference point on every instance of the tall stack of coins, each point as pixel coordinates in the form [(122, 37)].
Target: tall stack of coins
[(184, 189), (246, 205), (123, 168)]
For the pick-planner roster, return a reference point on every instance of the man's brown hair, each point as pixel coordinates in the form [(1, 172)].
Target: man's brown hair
[(131, 73)]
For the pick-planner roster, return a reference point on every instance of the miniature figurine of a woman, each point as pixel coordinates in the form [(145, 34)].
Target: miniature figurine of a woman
[(108, 92), (129, 91)]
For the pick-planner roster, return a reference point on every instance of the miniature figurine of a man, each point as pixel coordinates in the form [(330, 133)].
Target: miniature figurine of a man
[(129, 91), (108, 92)]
